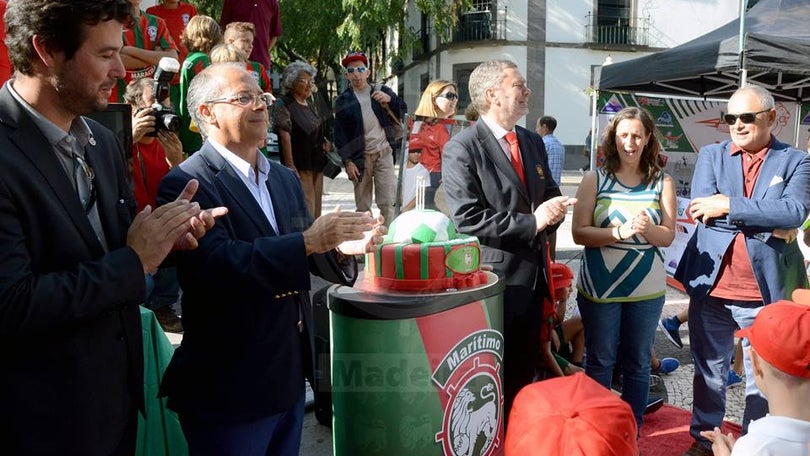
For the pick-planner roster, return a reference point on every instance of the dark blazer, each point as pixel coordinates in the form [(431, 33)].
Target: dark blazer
[(487, 200), (781, 199), (70, 332), (242, 355), (349, 132)]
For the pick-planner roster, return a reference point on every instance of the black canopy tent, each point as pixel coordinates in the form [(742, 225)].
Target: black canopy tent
[(776, 55)]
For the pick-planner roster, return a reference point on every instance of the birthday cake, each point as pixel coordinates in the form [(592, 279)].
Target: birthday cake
[(424, 252)]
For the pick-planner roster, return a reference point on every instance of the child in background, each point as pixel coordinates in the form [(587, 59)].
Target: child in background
[(145, 41), (177, 14), (200, 36), (411, 173), (563, 341), (780, 355), (241, 35)]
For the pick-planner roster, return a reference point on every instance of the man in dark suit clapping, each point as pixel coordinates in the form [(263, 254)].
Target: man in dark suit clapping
[(499, 188), (74, 264), (237, 380)]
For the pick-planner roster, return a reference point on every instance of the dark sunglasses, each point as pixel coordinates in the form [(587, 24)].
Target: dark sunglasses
[(746, 117), (360, 69), (449, 95)]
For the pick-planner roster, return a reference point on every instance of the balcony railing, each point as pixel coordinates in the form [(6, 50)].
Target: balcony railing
[(480, 26), (422, 45), (617, 30)]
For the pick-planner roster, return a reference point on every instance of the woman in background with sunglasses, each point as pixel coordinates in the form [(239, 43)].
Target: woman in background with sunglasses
[(439, 101)]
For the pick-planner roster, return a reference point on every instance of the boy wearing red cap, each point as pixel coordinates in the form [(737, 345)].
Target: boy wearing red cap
[(410, 175), (566, 339), (780, 355), (365, 136)]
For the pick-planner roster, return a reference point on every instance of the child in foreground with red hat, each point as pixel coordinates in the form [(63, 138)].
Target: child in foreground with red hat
[(780, 355), (570, 416)]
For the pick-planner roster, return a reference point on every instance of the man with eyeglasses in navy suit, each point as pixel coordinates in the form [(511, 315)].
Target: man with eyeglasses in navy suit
[(749, 196), (237, 380), (364, 136)]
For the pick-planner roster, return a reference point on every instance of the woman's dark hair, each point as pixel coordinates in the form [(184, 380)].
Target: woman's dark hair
[(59, 23), (650, 165)]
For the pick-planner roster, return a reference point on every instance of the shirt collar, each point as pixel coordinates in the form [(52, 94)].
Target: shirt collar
[(735, 149), (79, 130), (497, 130), (241, 165)]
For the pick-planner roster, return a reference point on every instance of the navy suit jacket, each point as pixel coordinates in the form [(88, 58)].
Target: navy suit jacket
[(70, 327), (242, 355), (781, 199), (487, 200)]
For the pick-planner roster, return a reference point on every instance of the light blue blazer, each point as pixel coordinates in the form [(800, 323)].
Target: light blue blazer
[(781, 199)]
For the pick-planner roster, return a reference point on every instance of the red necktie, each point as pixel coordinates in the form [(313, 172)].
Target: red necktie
[(514, 153)]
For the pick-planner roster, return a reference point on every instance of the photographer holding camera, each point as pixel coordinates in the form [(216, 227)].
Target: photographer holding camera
[(156, 149)]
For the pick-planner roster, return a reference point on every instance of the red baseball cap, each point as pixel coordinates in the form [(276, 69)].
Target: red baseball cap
[(353, 57), (570, 416), (781, 336), (561, 275)]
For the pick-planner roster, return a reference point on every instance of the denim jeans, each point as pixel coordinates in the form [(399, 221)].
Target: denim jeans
[(625, 332), (712, 322)]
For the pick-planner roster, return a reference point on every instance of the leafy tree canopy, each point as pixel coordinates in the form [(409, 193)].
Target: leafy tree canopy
[(321, 31)]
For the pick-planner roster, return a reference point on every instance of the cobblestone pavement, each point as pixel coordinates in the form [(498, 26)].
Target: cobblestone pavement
[(317, 440)]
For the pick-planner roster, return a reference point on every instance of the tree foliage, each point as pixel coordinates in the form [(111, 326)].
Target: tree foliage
[(321, 31)]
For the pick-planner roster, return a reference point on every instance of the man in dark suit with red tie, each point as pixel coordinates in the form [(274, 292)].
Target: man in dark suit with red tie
[(74, 263), (499, 188)]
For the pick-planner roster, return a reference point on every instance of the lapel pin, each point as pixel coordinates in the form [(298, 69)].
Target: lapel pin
[(540, 173), (92, 141)]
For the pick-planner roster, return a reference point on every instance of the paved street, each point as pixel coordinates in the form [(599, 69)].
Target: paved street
[(316, 439)]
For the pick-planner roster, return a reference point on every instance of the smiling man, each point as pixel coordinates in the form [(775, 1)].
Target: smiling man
[(499, 188), (237, 380), (74, 263), (749, 195)]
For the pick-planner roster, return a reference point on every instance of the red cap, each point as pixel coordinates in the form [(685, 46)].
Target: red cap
[(415, 142), (561, 275), (781, 336), (353, 57), (570, 416)]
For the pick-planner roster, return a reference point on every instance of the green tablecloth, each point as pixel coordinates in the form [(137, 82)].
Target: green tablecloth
[(160, 433)]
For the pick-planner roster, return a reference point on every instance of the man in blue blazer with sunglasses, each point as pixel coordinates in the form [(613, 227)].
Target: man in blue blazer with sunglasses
[(749, 196)]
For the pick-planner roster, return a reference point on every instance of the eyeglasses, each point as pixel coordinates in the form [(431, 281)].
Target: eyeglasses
[(246, 99), (360, 69), (746, 117), (449, 95), (308, 83), (91, 177), (417, 151)]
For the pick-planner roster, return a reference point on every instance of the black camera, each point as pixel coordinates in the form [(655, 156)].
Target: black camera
[(165, 118)]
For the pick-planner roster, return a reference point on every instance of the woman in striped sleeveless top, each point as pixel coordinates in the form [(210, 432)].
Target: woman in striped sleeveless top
[(625, 213)]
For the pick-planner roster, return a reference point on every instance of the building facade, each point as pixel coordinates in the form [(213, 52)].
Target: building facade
[(557, 45)]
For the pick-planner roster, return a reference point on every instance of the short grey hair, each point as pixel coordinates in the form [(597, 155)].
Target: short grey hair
[(488, 75), (292, 72), (763, 95), (207, 85)]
